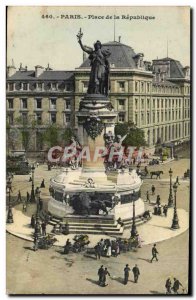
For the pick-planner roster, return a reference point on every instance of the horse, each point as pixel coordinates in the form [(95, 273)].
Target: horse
[(156, 173)]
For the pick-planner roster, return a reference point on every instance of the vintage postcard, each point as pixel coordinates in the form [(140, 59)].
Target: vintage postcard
[(98, 132)]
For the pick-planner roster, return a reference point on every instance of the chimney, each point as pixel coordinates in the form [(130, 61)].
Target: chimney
[(186, 71), (38, 71), (11, 70), (119, 38)]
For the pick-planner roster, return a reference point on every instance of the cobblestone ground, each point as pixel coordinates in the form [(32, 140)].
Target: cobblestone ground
[(50, 272)]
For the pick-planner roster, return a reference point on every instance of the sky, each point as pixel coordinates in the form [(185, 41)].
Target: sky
[(33, 40)]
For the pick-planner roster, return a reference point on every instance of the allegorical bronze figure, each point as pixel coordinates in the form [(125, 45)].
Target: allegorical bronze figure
[(100, 68)]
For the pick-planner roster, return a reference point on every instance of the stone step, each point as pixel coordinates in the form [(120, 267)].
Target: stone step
[(94, 231), (52, 222)]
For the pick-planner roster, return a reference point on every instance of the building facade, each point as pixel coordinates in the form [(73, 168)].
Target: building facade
[(154, 96)]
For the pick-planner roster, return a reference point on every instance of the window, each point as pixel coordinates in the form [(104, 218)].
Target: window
[(142, 119), (53, 118), (161, 116), (153, 117), (142, 103), (67, 118), (172, 102), (148, 118), (122, 86), (148, 103), (24, 117), (157, 103), (67, 104), (148, 87), (25, 86), (68, 87), (11, 118), (153, 103), (38, 103), (38, 118), (39, 86), (161, 103), (165, 103), (121, 102), (10, 103), (136, 120), (11, 86), (179, 116), (169, 115), (53, 103), (24, 103), (53, 86), (121, 117), (165, 116), (142, 87), (172, 115), (158, 117), (136, 86), (136, 103), (85, 86)]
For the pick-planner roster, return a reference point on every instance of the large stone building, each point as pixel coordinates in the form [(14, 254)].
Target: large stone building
[(155, 96)]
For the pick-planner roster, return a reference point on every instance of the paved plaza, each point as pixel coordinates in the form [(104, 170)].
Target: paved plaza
[(54, 273)]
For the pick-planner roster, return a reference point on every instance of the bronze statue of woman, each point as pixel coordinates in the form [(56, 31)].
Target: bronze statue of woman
[(100, 68)]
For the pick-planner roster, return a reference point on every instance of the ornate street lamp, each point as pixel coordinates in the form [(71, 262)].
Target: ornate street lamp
[(175, 223), (170, 199), (37, 232), (32, 189), (10, 214), (133, 228), (38, 202)]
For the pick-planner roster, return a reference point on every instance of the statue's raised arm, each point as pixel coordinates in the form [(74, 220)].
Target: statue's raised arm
[(84, 48)]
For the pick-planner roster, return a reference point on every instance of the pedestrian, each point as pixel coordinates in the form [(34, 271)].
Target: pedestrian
[(126, 274), (136, 273), (177, 180), (40, 204), (50, 190), (35, 243), (24, 207), (100, 274), (153, 189), (98, 251), (19, 198), (147, 197), (33, 221), (154, 253), (30, 179), (28, 197), (37, 191), (104, 277), (165, 209), (176, 286), (37, 164), (42, 184), (109, 249), (168, 285), (67, 247), (158, 202), (43, 225)]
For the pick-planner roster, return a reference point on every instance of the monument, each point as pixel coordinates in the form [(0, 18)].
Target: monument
[(88, 195)]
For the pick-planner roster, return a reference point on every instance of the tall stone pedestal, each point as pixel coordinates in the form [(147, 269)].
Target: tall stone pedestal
[(95, 118)]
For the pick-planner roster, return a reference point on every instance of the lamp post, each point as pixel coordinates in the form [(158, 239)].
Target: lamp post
[(32, 189), (170, 199), (38, 202), (133, 228), (175, 223), (10, 214)]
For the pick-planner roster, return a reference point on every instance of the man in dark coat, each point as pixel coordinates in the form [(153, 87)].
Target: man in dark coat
[(165, 208), (153, 189), (176, 286), (154, 253), (33, 221), (98, 251), (136, 273), (43, 228), (168, 285), (67, 247), (42, 184), (100, 274), (147, 197), (103, 280), (126, 274)]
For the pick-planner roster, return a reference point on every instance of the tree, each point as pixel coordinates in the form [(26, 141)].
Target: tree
[(26, 127), (51, 135), (135, 136), (66, 136)]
